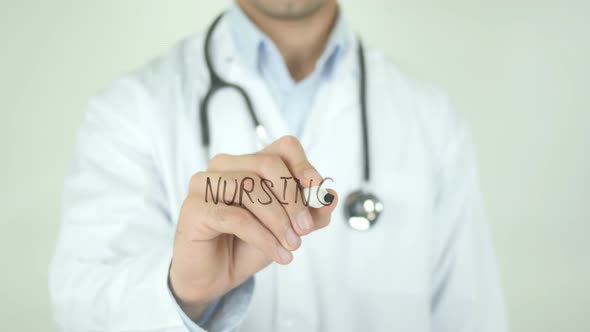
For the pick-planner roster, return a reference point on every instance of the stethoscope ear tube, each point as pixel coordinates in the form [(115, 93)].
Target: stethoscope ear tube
[(216, 83), (363, 105)]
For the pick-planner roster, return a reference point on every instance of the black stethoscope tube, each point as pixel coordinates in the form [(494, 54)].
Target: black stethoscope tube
[(217, 83), (364, 120)]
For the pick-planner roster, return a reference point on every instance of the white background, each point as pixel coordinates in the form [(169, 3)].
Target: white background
[(518, 70)]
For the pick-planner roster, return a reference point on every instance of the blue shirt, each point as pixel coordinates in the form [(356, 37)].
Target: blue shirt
[(258, 52)]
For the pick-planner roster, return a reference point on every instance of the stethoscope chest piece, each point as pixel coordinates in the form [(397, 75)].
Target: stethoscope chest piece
[(362, 210)]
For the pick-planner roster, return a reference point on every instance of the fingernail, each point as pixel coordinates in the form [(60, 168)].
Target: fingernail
[(304, 220), (292, 239), (284, 255)]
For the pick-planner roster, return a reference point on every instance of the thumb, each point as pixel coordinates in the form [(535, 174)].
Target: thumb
[(321, 217)]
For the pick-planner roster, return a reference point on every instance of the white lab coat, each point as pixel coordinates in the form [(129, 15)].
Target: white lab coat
[(427, 265)]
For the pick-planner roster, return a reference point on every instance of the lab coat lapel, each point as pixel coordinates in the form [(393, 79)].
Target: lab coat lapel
[(336, 95), (265, 106)]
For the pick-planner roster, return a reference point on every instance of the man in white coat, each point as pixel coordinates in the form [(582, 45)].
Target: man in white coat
[(142, 247)]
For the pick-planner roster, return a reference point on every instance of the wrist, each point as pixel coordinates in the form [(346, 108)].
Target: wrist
[(193, 305), (194, 311)]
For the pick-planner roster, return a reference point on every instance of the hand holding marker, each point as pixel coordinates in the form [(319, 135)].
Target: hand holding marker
[(218, 247)]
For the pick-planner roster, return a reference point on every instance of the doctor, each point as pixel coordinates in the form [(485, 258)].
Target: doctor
[(140, 249)]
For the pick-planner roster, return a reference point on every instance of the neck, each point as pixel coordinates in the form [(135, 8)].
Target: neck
[(300, 41)]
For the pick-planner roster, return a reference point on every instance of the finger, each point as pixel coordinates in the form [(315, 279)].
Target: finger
[(291, 151), (282, 183), (271, 213), (241, 223), (247, 260), (293, 154), (322, 215), (246, 189)]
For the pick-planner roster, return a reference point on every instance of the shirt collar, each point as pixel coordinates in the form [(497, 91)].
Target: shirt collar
[(253, 45)]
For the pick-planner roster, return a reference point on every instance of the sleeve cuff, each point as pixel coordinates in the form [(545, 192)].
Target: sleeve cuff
[(208, 313), (225, 314)]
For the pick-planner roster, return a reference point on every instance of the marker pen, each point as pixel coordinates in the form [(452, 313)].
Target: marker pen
[(318, 197)]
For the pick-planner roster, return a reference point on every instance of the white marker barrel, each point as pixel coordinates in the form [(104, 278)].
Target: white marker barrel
[(318, 197)]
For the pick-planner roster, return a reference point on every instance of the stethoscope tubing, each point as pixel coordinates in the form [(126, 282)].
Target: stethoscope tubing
[(217, 83)]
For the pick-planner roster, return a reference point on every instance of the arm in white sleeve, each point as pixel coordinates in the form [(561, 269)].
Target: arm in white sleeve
[(467, 295), (110, 268)]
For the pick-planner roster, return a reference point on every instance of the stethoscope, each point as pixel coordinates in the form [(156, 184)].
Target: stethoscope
[(362, 208)]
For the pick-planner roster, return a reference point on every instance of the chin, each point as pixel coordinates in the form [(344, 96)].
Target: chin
[(288, 9)]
